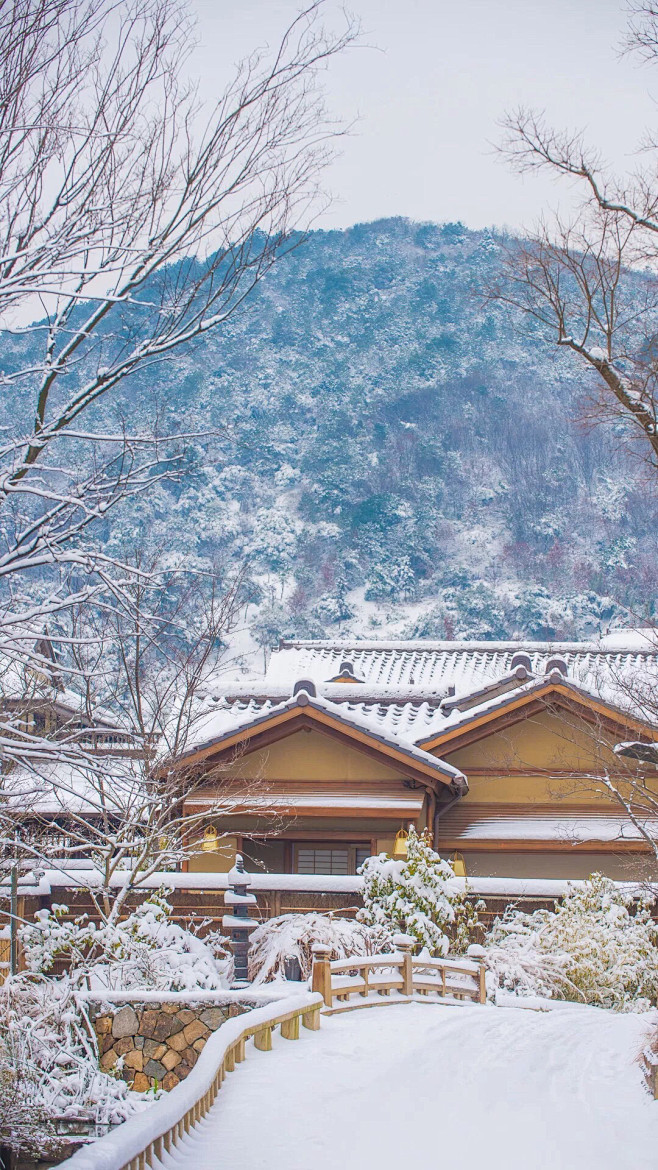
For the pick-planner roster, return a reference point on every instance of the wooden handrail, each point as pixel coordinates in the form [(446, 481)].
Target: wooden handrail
[(134, 1144), (455, 979), (148, 1135)]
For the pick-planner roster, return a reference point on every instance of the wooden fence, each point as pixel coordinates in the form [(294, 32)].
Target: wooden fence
[(450, 980), (5, 953), (234, 1054), (161, 1128), (148, 1136)]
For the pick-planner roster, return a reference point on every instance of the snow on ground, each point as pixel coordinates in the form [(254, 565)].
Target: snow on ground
[(428, 1085)]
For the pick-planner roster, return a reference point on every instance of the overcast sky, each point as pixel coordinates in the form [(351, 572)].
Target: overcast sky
[(428, 97)]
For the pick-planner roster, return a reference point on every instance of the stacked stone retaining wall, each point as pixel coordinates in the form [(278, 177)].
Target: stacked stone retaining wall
[(156, 1044)]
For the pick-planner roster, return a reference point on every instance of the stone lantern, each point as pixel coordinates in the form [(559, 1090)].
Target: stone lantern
[(238, 923)]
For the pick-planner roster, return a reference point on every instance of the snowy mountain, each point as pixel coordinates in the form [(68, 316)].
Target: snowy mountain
[(395, 457)]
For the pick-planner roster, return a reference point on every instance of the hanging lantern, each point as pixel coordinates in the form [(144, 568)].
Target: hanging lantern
[(400, 846), (458, 864), (210, 842)]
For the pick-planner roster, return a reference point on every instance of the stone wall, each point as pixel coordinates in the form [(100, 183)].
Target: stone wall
[(149, 1043)]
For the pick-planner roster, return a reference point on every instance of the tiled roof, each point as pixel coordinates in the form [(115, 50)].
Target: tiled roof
[(231, 717), (404, 683), (435, 667)]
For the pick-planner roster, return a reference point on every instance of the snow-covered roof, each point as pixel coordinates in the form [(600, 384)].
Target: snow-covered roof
[(411, 692), (50, 788), (435, 667), (572, 830), (231, 717), (34, 682)]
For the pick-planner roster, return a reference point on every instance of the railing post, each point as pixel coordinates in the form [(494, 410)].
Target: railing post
[(365, 990), (290, 1029), (263, 1038), (311, 1019), (483, 982), (477, 952), (405, 944), (321, 973)]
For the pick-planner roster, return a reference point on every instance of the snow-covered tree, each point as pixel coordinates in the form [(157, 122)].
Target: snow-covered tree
[(112, 794), (132, 222), (292, 936), (574, 277), (599, 946), (49, 1067), (420, 897)]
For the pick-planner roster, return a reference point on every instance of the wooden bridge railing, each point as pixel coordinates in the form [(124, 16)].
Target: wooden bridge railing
[(452, 980), (134, 1144), (149, 1135)]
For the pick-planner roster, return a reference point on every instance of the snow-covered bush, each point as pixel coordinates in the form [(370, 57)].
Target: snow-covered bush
[(49, 1066), (599, 946), (420, 897), (24, 1127), (146, 950), (291, 936)]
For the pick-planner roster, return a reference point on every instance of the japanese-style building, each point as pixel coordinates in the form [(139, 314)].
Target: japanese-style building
[(505, 752)]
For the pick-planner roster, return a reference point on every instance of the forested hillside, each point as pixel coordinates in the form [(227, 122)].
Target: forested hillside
[(394, 456)]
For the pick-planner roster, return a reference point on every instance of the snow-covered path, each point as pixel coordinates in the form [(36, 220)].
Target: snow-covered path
[(427, 1085)]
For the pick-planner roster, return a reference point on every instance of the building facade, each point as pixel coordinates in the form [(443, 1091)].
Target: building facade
[(507, 753)]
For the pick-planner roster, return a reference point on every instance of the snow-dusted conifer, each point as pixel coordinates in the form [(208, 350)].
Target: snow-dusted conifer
[(420, 897)]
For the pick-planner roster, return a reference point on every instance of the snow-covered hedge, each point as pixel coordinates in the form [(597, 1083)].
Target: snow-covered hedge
[(291, 936), (599, 946), (145, 950), (420, 897)]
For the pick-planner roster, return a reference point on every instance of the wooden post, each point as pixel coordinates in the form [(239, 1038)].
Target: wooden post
[(263, 1039), (13, 924), (229, 1060), (483, 982), (321, 973), (239, 1050), (365, 990), (311, 1019), (405, 944), (290, 1029)]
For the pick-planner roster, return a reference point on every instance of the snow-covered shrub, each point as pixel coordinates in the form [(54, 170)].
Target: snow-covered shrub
[(146, 950), (24, 1127), (420, 897), (49, 1066), (599, 946), (291, 936)]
